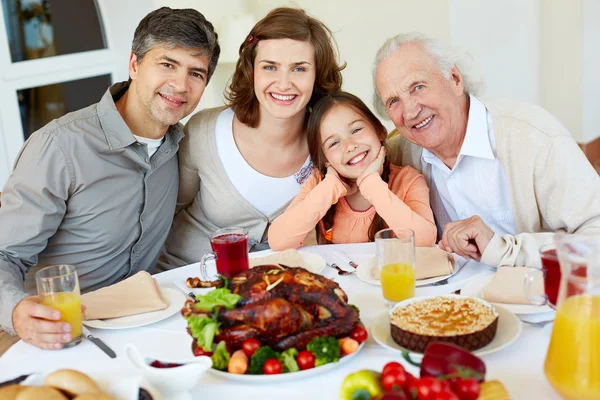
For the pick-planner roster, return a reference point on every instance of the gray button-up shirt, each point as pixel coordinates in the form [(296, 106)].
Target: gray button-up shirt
[(84, 192)]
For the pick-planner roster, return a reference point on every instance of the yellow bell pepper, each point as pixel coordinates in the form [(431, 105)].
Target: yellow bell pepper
[(361, 385)]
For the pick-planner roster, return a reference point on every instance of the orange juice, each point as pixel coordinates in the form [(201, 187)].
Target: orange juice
[(69, 305), (573, 361), (397, 281)]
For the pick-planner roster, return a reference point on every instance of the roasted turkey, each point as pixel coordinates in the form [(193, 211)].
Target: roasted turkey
[(285, 307)]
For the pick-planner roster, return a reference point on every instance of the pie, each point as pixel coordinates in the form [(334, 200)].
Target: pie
[(464, 321)]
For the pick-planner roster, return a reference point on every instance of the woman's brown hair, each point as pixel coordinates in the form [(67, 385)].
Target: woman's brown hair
[(315, 148), (283, 23)]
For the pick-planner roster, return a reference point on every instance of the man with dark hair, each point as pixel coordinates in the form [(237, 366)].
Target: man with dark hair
[(97, 188)]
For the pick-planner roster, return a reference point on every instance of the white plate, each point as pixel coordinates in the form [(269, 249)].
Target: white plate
[(174, 297), (364, 272), (313, 262), (509, 329), (290, 376), (475, 287)]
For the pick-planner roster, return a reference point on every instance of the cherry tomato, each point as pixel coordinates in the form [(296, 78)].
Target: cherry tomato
[(445, 395), (409, 386), (359, 334), (200, 352), (272, 366), (394, 379), (250, 346), (466, 389), (305, 360), (391, 365), (427, 387)]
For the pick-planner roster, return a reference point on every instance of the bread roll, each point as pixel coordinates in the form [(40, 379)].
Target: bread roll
[(10, 392), (73, 383), (95, 396), (39, 393)]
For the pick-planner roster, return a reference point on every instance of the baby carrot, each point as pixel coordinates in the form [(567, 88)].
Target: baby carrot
[(348, 345), (238, 363)]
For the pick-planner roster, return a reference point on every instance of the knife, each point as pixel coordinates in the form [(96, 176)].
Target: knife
[(98, 342), (346, 259), (14, 381)]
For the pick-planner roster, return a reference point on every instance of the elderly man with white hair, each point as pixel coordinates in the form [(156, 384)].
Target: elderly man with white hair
[(503, 175)]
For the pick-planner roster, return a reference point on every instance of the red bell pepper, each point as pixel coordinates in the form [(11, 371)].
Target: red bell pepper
[(446, 361)]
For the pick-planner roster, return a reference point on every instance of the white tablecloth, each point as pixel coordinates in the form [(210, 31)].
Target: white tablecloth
[(519, 367)]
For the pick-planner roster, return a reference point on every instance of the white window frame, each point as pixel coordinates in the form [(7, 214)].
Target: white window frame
[(41, 72)]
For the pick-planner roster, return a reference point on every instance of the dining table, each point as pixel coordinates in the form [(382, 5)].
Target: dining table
[(518, 366)]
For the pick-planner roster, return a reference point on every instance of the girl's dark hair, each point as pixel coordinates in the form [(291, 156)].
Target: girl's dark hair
[(315, 148), (283, 23)]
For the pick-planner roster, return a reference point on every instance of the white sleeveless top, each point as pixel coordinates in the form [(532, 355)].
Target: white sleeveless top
[(265, 193)]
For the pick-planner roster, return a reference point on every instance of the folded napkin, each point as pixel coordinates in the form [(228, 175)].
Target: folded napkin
[(430, 262), (289, 257), (507, 286), (135, 295)]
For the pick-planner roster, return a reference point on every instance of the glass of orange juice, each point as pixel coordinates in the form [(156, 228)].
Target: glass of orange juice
[(396, 262), (58, 287), (572, 363)]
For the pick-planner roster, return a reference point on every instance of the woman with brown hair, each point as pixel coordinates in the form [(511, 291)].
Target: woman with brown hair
[(354, 191), (242, 164)]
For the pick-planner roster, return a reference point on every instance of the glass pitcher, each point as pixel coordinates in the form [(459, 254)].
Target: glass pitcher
[(573, 361)]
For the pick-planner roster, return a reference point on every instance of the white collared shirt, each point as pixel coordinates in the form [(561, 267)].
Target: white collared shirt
[(477, 184)]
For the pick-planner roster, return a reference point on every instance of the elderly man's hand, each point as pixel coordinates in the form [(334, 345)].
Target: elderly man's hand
[(467, 238), (39, 325)]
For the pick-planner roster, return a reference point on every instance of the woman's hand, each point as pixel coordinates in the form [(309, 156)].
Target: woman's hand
[(376, 167), (351, 187)]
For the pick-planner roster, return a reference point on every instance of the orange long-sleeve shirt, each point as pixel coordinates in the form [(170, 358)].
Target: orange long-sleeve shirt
[(402, 203)]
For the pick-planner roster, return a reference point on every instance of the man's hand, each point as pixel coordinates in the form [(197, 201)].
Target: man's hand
[(467, 238), (376, 167), (39, 325), (351, 188)]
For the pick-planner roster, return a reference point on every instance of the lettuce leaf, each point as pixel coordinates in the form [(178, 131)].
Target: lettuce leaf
[(218, 297), (220, 357), (203, 330)]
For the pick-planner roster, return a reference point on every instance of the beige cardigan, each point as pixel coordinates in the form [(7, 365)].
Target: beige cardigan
[(207, 199), (552, 184)]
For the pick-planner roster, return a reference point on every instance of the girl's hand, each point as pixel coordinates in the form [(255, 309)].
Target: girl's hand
[(375, 167), (350, 188)]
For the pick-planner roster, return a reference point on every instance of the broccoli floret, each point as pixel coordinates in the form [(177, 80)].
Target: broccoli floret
[(258, 359), (326, 350), (220, 357), (288, 360)]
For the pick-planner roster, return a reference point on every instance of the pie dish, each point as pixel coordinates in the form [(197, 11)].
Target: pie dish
[(465, 321)]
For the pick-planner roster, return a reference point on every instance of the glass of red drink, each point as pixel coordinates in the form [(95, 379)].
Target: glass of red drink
[(230, 252), (551, 272)]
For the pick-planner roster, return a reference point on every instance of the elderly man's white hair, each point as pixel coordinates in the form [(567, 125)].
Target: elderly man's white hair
[(445, 57)]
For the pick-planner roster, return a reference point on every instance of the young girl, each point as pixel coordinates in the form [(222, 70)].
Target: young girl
[(353, 191)]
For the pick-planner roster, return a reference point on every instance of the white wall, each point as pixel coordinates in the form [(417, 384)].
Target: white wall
[(503, 39), (591, 66), (562, 62)]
